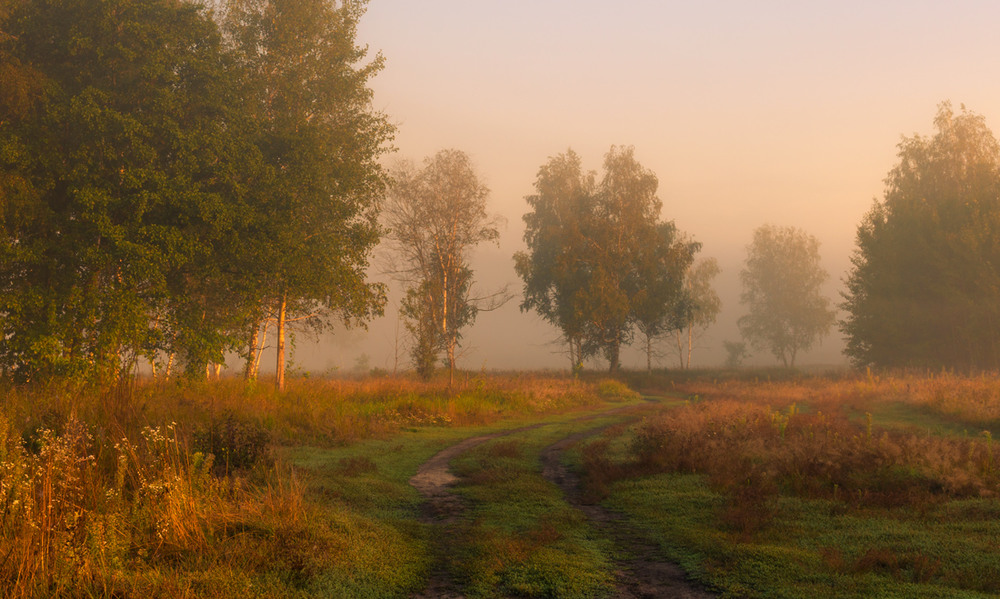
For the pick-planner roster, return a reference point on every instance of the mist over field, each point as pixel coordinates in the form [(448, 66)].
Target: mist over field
[(779, 113)]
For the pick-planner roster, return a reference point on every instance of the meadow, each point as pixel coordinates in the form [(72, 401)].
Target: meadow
[(758, 484), (223, 489), (846, 486)]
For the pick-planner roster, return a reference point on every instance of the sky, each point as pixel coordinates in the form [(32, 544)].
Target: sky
[(749, 113)]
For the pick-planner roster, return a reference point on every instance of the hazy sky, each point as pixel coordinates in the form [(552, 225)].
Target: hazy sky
[(748, 112)]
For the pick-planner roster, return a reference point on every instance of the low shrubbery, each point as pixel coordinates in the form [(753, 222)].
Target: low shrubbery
[(874, 486), (753, 452)]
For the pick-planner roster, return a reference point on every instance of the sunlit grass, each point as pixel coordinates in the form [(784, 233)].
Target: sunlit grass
[(846, 487), (197, 490)]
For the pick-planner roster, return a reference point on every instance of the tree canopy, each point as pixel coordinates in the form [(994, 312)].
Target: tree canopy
[(149, 208), (315, 202), (435, 216), (924, 288), (600, 263), (782, 277)]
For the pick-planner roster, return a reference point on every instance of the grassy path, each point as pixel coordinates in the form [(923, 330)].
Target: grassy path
[(633, 567), (640, 569)]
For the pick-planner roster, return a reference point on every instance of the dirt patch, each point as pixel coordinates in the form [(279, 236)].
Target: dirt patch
[(433, 478), (641, 572)]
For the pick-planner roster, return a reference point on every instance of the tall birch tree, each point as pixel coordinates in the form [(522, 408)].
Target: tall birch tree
[(435, 216), (316, 202)]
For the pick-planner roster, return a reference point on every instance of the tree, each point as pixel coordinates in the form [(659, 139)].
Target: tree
[(118, 145), (736, 352), (435, 216), (314, 217), (781, 281), (924, 288), (663, 303), (554, 269), (698, 308), (599, 262)]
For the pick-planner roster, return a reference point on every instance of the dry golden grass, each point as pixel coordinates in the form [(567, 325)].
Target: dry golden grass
[(754, 441), (973, 400), (102, 494)]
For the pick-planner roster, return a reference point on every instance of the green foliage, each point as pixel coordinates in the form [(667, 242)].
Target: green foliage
[(612, 390), (120, 180), (315, 201), (235, 443), (600, 263), (155, 204), (781, 290), (924, 287)]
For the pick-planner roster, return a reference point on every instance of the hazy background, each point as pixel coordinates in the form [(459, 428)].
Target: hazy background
[(749, 113)]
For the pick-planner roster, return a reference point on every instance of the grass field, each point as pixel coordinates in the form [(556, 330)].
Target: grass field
[(854, 487), (760, 485)]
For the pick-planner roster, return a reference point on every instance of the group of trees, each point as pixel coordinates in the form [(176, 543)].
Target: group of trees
[(924, 289), (174, 178), (601, 266)]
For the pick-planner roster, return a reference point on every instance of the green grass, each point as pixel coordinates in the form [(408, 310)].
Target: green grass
[(899, 414), (810, 550), (816, 548), (520, 536), (361, 492)]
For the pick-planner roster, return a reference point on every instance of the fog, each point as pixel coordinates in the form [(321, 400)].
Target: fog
[(749, 113)]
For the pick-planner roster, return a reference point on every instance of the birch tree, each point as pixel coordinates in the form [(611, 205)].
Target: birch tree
[(553, 267), (435, 216), (698, 309), (782, 277), (316, 203)]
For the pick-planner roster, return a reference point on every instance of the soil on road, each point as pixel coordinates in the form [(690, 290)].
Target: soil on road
[(640, 573)]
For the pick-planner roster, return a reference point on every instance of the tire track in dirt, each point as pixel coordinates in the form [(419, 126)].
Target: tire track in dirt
[(641, 572), (641, 575), (442, 508)]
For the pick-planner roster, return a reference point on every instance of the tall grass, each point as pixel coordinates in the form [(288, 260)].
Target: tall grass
[(173, 491)]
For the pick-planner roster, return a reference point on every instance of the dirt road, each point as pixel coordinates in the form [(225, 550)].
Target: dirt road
[(639, 574)]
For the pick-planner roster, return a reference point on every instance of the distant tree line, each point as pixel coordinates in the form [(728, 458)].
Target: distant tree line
[(173, 179)]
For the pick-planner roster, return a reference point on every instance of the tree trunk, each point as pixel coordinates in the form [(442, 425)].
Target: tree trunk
[(649, 354), (680, 349), (614, 351), (690, 343), (452, 341), (249, 370), (279, 366)]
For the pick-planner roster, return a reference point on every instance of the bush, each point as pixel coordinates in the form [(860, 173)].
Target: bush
[(612, 390)]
